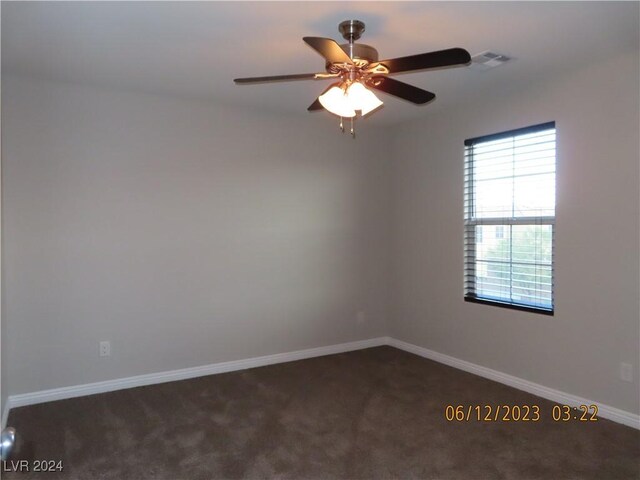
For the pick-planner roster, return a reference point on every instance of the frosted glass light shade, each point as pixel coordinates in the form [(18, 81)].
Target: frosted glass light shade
[(337, 102), (362, 99)]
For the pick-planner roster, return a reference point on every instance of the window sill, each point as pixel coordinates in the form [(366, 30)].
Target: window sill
[(511, 306)]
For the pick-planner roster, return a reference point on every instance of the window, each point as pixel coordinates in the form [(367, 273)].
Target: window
[(510, 181)]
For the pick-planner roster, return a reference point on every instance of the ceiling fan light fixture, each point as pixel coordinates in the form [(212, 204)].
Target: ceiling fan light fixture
[(335, 100), (363, 99)]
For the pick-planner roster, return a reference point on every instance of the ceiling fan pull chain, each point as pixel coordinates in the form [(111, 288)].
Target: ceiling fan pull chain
[(341, 125), (353, 130)]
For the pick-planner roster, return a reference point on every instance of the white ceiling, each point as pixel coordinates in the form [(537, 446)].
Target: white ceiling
[(196, 49)]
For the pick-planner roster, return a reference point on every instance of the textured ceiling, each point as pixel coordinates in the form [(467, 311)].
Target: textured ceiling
[(196, 49)]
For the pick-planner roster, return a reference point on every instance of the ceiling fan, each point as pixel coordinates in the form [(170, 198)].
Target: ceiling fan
[(357, 69)]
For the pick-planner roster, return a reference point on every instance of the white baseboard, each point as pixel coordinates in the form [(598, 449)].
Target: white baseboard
[(5, 414), (604, 411), (42, 396)]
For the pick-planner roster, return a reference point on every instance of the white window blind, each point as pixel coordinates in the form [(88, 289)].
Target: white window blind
[(510, 181)]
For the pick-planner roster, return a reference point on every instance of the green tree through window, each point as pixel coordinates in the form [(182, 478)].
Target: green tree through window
[(529, 275)]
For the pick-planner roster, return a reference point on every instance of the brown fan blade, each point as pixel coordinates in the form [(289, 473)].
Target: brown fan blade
[(422, 61), (280, 78), (329, 49), (317, 105), (401, 89)]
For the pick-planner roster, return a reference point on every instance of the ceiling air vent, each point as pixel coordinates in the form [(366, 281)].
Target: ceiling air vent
[(487, 60)]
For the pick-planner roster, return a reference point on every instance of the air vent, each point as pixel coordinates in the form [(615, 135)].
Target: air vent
[(487, 60)]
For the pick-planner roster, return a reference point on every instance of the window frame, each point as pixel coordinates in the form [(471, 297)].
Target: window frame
[(470, 224)]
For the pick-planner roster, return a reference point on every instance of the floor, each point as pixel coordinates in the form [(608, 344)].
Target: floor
[(375, 413)]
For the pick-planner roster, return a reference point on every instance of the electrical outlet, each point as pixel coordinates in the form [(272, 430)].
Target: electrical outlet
[(105, 349), (626, 372)]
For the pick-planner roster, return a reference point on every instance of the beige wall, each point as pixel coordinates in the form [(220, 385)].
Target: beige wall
[(184, 233), (596, 322), (4, 394), (188, 234)]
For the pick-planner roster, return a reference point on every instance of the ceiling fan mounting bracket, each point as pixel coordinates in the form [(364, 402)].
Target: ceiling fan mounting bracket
[(351, 30)]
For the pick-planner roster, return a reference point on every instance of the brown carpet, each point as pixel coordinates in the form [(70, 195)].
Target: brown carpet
[(376, 413)]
